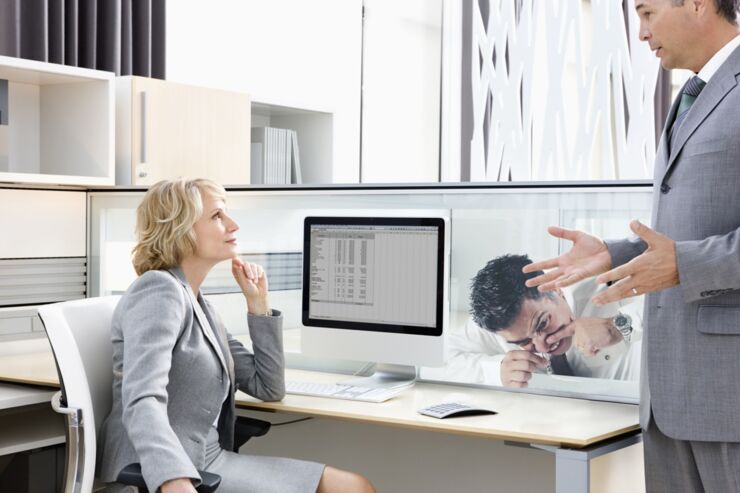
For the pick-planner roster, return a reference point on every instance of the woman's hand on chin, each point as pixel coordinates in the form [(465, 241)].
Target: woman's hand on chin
[(252, 280)]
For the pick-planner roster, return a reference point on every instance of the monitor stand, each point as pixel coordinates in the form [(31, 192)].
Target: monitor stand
[(385, 376)]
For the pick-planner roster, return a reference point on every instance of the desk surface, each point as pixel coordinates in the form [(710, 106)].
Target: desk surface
[(522, 417), (30, 368)]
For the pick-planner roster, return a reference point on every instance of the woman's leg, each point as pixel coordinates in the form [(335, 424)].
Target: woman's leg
[(336, 480)]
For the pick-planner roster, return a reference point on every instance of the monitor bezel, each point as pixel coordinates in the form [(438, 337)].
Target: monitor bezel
[(416, 330)]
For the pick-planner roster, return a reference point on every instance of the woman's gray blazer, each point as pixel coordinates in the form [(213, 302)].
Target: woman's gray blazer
[(170, 381)]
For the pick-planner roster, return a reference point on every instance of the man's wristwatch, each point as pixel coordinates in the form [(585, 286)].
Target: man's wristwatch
[(623, 323)]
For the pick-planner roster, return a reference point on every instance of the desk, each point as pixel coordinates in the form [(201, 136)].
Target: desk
[(575, 431), (568, 422), (26, 419), (12, 396)]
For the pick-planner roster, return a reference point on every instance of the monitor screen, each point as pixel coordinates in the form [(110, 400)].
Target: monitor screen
[(380, 274)]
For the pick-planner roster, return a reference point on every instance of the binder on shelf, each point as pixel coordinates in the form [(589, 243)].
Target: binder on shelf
[(4, 130), (270, 159), (296, 159), (257, 168), (258, 155), (286, 149), (275, 159)]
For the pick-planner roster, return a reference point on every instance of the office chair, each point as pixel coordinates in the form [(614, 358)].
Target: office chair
[(79, 332)]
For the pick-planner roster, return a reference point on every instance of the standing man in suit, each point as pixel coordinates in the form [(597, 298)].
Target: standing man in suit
[(688, 264)]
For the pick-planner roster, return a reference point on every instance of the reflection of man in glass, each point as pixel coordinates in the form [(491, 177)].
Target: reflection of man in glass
[(516, 331)]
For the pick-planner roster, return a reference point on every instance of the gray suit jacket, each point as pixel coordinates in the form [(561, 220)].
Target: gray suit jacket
[(691, 362), (170, 381)]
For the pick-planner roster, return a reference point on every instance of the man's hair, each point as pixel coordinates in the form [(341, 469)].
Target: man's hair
[(165, 219), (497, 292), (728, 9)]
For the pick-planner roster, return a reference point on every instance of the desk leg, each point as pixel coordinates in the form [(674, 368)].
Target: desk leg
[(572, 466), (572, 471)]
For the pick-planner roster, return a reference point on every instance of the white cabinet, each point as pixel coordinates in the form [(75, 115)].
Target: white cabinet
[(42, 224), (165, 130), (42, 251), (57, 124)]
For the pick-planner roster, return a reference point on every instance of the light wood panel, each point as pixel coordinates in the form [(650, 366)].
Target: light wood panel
[(36, 368), (181, 130)]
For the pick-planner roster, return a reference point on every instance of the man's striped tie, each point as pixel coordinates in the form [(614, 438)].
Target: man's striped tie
[(688, 95)]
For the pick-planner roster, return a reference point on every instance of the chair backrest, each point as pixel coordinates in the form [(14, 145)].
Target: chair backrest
[(80, 335)]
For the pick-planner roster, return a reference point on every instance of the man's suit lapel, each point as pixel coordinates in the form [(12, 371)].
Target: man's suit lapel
[(661, 158), (715, 91)]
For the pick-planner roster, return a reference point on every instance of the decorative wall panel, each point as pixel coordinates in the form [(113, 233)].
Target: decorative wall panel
[(558, 90)]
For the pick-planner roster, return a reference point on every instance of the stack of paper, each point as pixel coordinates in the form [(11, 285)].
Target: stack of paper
[(275, 158)]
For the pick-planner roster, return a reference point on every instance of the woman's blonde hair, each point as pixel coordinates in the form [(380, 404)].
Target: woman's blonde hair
[(165, 219)]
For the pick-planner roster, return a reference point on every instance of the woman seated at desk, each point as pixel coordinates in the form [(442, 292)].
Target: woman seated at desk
[(175, 367)]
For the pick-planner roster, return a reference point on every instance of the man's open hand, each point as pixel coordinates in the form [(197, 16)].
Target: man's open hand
[(654, 270), (587, 257)]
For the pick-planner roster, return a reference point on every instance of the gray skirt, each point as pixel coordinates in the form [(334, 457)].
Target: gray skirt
[(252, 473), (242, 473)]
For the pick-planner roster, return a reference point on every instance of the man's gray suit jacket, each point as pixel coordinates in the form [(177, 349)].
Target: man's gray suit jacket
[(169, 380), (691, 352)]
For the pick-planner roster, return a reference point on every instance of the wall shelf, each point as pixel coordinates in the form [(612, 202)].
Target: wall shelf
[(60, 124), (315, 130)]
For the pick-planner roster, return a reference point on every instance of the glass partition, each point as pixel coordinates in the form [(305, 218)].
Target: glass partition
[(487, 223)]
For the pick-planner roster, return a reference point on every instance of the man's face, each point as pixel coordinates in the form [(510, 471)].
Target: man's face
[(668, 28), (537, 320)]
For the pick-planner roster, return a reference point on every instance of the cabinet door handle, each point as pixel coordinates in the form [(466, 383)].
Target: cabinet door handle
[(144, 129)]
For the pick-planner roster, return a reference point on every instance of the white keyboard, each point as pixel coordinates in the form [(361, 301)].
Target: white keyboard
[(339, 391)]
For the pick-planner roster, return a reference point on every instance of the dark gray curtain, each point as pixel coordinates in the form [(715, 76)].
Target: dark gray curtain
[(122, 36)]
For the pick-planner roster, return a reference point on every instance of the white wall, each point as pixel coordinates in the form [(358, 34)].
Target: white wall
[(304, 54), (401, 91)]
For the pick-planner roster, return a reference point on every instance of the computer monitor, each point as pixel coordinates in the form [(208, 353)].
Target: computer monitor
[(376, 289)]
